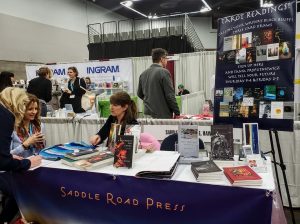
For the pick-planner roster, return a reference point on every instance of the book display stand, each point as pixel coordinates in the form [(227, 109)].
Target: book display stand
[(283, 168)]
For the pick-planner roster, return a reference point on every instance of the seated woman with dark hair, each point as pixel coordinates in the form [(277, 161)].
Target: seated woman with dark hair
[(28, 138), (12, 109), (123, 111)]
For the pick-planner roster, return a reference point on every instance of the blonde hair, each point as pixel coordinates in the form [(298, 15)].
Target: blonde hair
[(15, 100)]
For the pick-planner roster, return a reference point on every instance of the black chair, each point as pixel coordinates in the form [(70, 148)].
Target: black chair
[(168, 144)]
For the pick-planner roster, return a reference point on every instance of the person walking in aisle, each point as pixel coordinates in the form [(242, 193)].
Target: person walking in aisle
[(41, 87), (156, 90)]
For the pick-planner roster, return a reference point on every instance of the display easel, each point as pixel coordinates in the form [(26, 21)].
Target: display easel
[(283, 168)]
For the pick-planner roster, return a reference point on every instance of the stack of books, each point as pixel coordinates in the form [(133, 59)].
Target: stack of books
[(206, 171), (81, 154), (242, 175), (88, 161)]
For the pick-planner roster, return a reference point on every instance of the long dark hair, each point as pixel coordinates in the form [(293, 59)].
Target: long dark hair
[(122, 98), (5, 80)]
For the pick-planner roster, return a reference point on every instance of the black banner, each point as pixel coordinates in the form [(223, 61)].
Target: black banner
[(255, 68)]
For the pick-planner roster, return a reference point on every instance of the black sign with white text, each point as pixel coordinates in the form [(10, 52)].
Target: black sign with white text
[(255, 68)]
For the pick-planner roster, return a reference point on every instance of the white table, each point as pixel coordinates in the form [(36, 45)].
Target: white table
[(62, 130)]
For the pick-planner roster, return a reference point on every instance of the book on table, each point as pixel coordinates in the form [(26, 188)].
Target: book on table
[(96, 161), (222, 142), (159, 165), (115, 130), (250, 136), (206, 171), (81, 154), (123, 151), (242, 175), (188, 141)]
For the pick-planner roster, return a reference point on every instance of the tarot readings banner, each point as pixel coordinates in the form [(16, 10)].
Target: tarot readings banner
[(59, 196), (255, 68)]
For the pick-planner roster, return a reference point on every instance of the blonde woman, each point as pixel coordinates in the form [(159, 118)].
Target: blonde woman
[(28, 138), (13, 103)]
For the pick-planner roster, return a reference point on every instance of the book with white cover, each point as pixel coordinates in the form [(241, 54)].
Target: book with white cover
[(188, 141), (158, 164)]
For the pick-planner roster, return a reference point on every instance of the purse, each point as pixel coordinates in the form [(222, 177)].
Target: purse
[(88, 99)]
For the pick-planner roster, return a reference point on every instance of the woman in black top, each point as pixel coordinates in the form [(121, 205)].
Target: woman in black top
[(123, 111), (74, 92), (13, 103)]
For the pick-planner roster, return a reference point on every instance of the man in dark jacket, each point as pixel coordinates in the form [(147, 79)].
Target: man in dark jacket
[(41, 87), (155, 88)]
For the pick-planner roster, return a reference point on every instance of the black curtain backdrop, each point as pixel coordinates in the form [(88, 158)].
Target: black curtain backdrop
[(137, 48)]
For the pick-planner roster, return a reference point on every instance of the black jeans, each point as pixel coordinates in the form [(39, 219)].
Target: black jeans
[(10, 207)]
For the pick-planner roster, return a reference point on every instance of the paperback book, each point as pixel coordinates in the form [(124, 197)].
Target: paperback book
[(82, 154), (96, 161), (250, 136), (206, 171), (123, 151), (115, 130), (188, 141), (134, 130), (242, 175), (222, 142)]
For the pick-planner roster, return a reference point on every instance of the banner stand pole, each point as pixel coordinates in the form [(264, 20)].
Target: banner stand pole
[(283, 169)]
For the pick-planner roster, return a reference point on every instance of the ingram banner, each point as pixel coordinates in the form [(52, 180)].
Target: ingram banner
[(99, 71), (255, 68), (59, 196)]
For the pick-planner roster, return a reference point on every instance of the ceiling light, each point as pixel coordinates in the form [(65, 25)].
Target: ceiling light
[(128, 4), (207, 6), (204, 9)]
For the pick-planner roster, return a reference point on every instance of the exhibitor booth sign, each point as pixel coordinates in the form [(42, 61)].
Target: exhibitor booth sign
[(255, 68), (99, 71), (70, 196)]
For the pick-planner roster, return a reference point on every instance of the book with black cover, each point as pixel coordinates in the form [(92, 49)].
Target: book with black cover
[(82, 154), (123, 151), (222, 142), (206, 170)]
